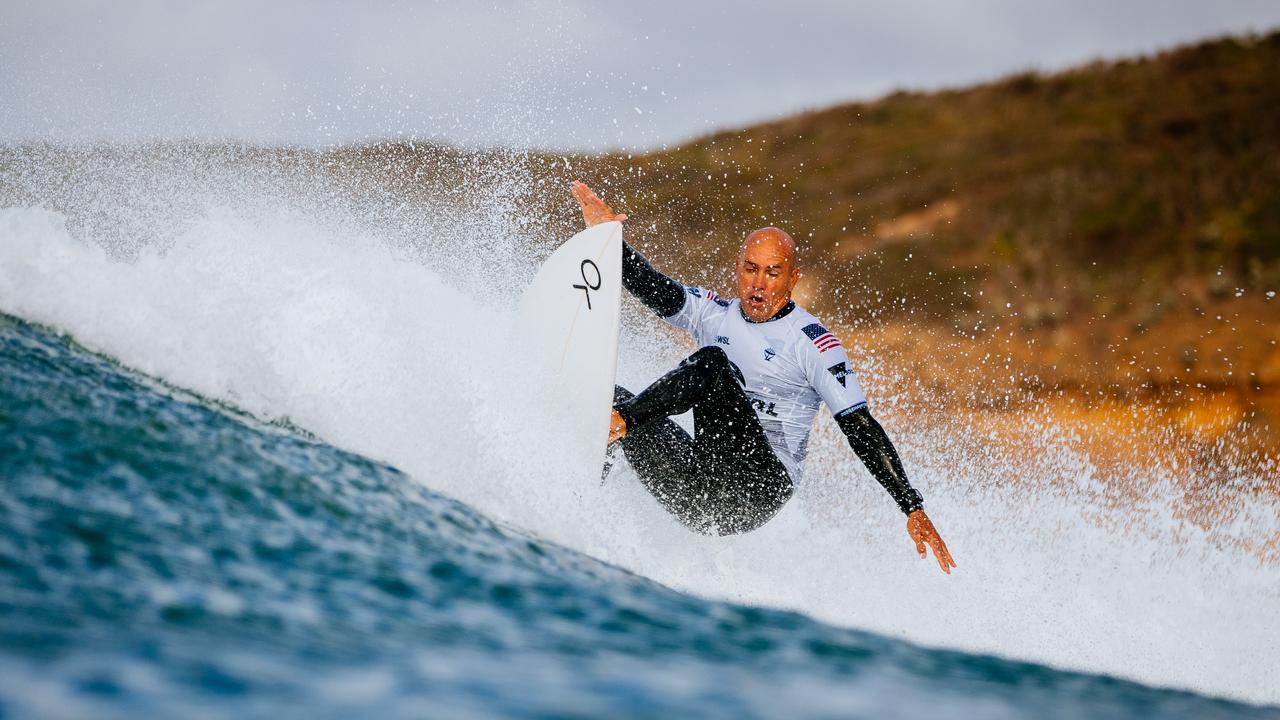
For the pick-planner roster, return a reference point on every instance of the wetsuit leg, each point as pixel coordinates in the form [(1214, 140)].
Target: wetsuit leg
[(663, 456), (733, 482)]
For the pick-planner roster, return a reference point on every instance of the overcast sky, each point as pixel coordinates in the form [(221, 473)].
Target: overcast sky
[(547, 73)]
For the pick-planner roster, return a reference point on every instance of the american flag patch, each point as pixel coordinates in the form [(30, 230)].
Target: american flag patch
[(821, 337)]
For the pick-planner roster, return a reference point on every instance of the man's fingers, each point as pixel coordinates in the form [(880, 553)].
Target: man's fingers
[(583, 193), (923, 533), (943, 555), (944, 552), (943, 560), (594, 210), (586, 194), (947, 554)]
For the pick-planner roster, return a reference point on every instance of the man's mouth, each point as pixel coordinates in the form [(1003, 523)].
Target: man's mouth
[(756, 298)]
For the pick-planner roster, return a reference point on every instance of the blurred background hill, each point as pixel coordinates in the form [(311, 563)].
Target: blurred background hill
[(1102, 242), (1111, 232)]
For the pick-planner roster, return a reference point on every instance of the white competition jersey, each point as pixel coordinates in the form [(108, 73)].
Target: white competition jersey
[(788, 366)]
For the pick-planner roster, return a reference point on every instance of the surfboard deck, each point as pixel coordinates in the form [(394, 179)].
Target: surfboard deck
[(567, 341)]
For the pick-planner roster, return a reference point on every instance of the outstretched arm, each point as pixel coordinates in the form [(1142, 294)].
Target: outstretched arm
[(872, 445), (869, 440), (658, 292)]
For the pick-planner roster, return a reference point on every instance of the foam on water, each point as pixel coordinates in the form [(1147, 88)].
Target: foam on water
[(345, 331)]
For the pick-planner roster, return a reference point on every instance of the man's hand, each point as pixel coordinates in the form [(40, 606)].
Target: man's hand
[(921, 530), (617, 427), (594, 211)]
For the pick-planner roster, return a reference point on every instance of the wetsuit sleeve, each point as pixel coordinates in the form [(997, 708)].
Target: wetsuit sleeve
[(658, 292), (687, 308), (872, 445)]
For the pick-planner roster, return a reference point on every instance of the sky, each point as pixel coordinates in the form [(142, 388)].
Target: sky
[(557, 74)]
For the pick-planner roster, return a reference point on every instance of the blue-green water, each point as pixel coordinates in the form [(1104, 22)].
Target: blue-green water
[(160, 557)]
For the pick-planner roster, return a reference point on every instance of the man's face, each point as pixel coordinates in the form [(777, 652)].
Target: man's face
[(767, 273)]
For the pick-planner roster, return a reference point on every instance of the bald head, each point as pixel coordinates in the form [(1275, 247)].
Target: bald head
[(767, 273), (771, 239)]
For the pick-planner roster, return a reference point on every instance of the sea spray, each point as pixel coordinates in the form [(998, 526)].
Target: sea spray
[(299, 298)]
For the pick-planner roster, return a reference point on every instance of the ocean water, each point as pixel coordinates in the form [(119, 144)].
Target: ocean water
[(163, 557), (255, 461)]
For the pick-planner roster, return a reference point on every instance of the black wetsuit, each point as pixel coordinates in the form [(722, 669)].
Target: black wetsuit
[(728, 477)]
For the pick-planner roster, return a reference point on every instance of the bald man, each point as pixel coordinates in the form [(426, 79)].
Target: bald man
[(763, 367)]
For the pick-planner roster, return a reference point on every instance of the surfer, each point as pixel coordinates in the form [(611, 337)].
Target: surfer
[(764, 366)]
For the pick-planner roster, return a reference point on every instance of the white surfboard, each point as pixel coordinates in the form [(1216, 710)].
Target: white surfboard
[(567, 342)]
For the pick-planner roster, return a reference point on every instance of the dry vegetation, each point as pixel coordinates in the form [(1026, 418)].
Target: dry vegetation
[(1092, 241), (1109, 233)]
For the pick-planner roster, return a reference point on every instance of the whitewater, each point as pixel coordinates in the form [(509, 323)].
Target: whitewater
[(382, 329)]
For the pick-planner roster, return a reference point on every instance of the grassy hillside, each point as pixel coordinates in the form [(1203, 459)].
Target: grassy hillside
[(1108, 233), (1130, 186)]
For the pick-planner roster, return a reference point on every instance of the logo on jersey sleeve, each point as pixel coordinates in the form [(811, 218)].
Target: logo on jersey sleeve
[(710, 295), (769, 354), (723, 340), (839, 372), (821, 337)]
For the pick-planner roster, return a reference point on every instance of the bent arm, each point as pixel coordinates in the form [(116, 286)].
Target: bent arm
[(658, 292), (873, 447)]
